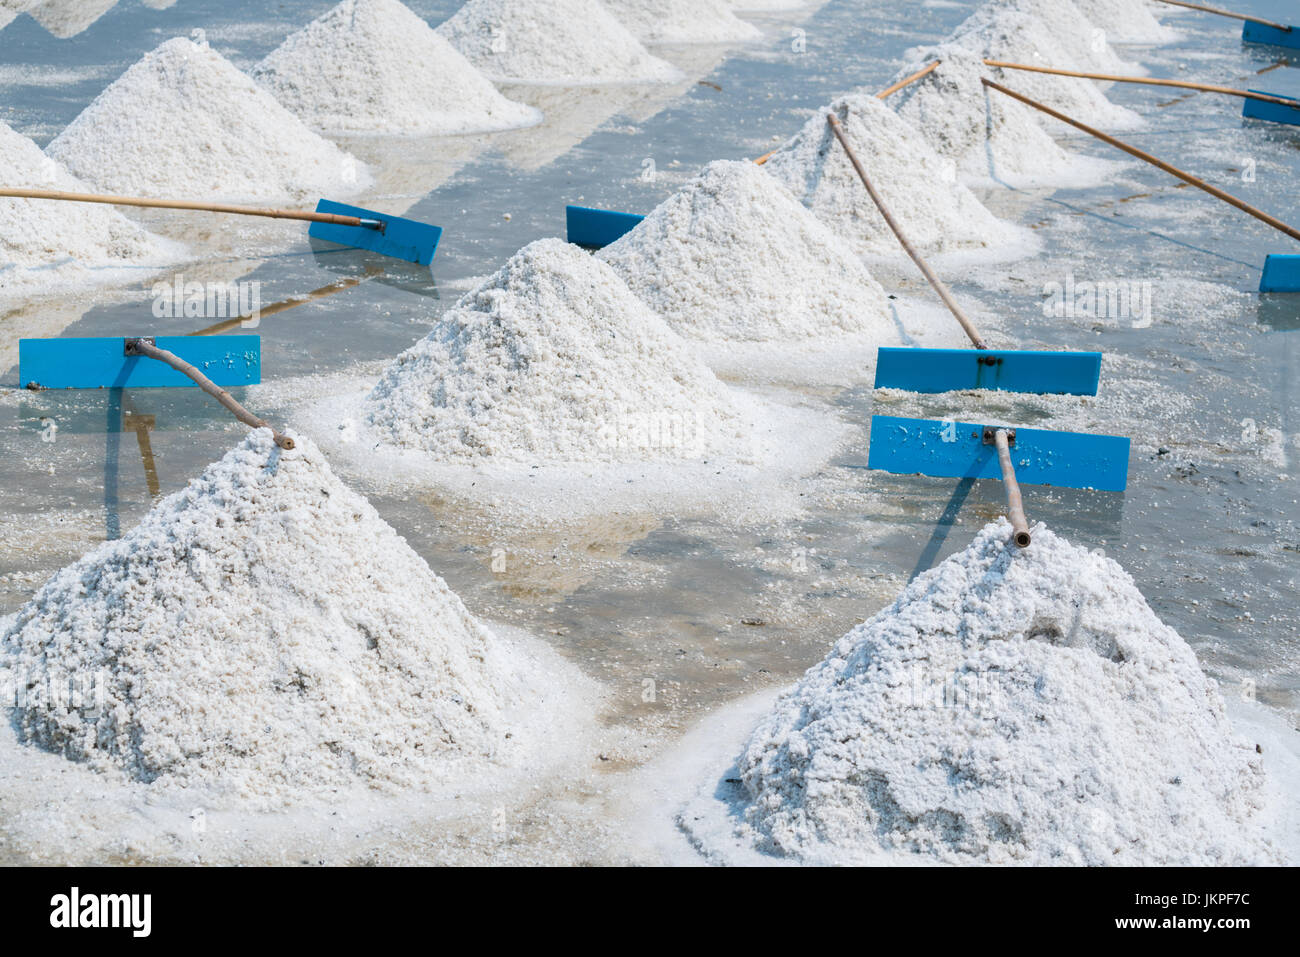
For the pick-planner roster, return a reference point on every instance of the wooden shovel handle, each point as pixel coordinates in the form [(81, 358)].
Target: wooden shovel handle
[(1227, 13), (1146, 157), (1147, 81), (310, 217)]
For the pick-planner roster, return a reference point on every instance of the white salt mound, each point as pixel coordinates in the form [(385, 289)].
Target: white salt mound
[(265, 634), (552, 358), (67, 18), (990, 137), (1077, 728), (47, 246), (734, 256), (1127, 21), (563, 42), (1087, 41), (1014, 36), (682, 21), (373, 66), (183, 122), (920, 187)]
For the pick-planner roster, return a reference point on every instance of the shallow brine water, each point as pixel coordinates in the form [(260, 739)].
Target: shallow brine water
[(707, 601)]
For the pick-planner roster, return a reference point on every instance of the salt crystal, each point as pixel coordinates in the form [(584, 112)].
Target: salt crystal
[(47, 246), (682, 21), (935, 211), (734, 256), (184, 123), (553, 358), (262, 634), (1012, 706), (373, 66), (564, 42)]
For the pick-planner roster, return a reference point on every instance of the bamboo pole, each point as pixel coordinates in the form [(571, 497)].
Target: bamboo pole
[(883, 94), (907, 81), (144, 346), (312, 217), (1154, 161), (967, 326), (1218, 12), (1147, 81), (1015, 503)]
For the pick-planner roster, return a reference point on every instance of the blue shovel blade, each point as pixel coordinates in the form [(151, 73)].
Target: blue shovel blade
[(1261, 33), (957, 450), (1272, 112), (597, 228), (403, 239), (1004, 370), (101, 363), (1281, 273)]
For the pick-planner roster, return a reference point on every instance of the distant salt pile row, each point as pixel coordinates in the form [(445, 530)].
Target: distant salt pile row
[(682, 21), (1127, 21), (734, 256), (373, 66), (67, 18), (1012, 706), (562, 42), (937, 212), (46, 246), (184, 122), (1014, 36), (264, 635), (552, 358), (989, 136)]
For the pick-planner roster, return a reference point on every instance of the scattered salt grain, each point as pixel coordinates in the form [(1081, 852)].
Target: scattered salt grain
[(1012, 706), (935, 211), (264, 635), (563, 42), (734, 256), (183, 122), (553, 359), (373, 66)]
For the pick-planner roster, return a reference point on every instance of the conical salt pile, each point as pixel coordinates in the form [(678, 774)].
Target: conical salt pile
[(184, 123), (920, 187), (1014, 36), (46, 245), (682, 21), (553, 358), (1127, 21), (565, 42), (373, 66), (1087, 41), (990, 137), (1012, 706), (67, 18), (735, 256), (262, 634), (9, 10)]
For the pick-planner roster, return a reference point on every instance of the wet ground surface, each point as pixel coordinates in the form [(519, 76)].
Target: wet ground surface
[(707, 608)]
